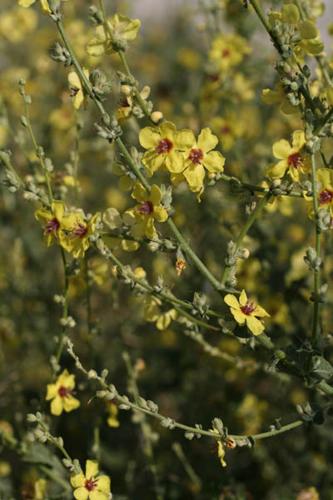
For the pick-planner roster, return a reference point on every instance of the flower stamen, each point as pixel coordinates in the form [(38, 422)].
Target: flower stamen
[(295, 160), (146, 208), (325, 196), (196, 155), (248, 308), (52, 226), (164, 146)]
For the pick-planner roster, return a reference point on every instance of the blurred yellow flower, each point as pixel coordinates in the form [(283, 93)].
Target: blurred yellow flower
[(28, 3), (325, 192), (153, 313), (77, 232), (60, 394), (221, 453), (112, 420), (114, 35), (228, 51), (53, 222), (91, 486), (16, 24), (246, 311)]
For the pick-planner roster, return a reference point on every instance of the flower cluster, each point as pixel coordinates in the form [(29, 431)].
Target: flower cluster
[(71, 229), (184, 156)]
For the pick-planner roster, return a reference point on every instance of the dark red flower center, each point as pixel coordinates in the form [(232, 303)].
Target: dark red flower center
[(248, 308), (64, 391), (295, 160), (164, 146), (80, 230), (90, 484), (146, 208), (225, 52), (225, 129), (52, 226), (325, 196), (196, 155)]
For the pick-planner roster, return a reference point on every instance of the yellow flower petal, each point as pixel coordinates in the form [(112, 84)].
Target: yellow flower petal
[(155, 195), (91, 469), (56, 406), (160, 214), (214, 162), (298, 139), (239, 316), (207, 140), (26, 3), (254, 325), (231, 300), (97, 495), (104, 484), (277, 171), (174, 162), (139, 192), (281, 149), (195, 174), (149, 137), (185, 139), (243, 298), (78, 480), (168, 130), (52, 391), (70, 403), (81, 494), (260, 312), (150, 231)]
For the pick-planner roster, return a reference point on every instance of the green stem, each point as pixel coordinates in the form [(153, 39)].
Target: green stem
[(37, 151), (123, 59), (316, 271), (253, 217), (124, 400), (146, 430), (254, 188), (64, 309)]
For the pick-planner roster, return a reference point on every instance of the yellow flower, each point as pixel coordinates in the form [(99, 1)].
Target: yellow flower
[(278, 96), (76, 88), (200, 157), (112, 420), (228, 51), (90, 486), (127, 101), (164, 145), (153, 314), (143, 216), (78, 231), (53, 221), (228, 128), (28, 3), (246, 311), (325, 191), (292, 157), (119, 30), (16, 25), (60, 394)]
